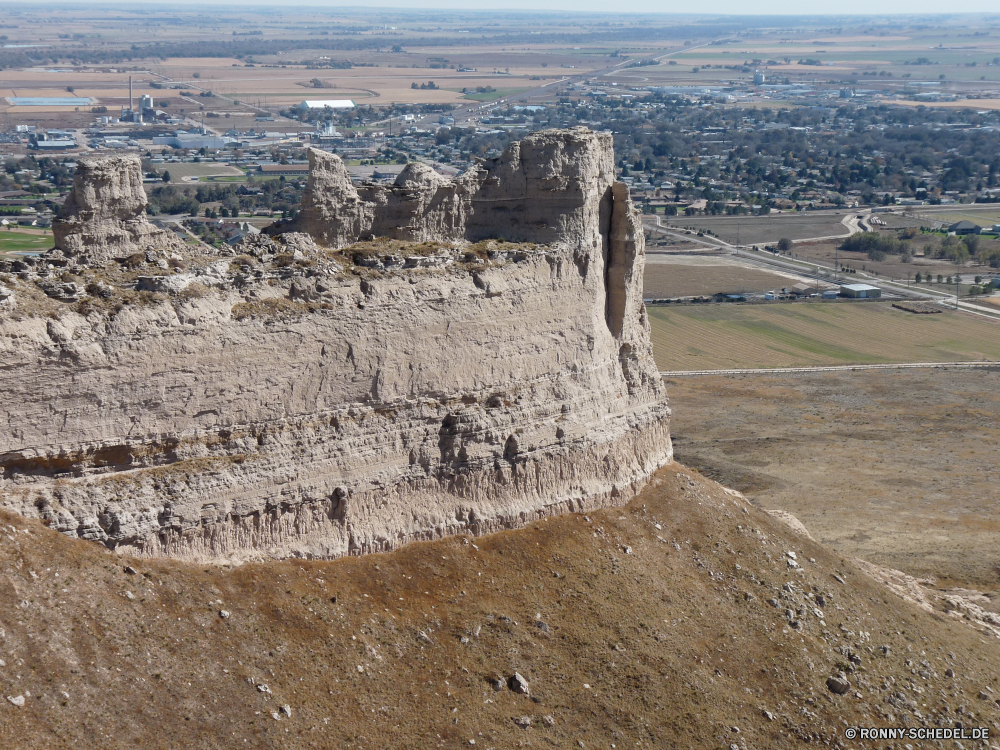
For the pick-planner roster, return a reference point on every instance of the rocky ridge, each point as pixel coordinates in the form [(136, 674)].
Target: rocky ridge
[(327, 390)]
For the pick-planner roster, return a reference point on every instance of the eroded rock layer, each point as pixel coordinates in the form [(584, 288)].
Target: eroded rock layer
[(299, 401), (104, 216)]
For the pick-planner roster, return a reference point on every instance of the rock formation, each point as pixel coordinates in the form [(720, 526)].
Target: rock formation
[(300, 401), (104, 216), (548, 187)]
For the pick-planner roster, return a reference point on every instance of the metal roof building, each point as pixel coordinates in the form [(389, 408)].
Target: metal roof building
[(860, 291)]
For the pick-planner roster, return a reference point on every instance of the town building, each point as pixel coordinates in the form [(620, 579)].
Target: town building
[(860, 291)]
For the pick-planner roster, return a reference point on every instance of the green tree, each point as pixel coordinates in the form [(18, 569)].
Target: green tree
[(166, 176), (784, 245), (959, 254)]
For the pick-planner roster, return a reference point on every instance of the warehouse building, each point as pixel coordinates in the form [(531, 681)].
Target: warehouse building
[(860, 291)]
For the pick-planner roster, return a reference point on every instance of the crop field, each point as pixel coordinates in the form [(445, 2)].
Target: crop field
[(287, 86), (693, 337), (683, 276), (24, 240), (271, 86), (766, 230)]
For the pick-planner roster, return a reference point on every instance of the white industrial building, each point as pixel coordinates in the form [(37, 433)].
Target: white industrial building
[(324, 103), (193, 141)]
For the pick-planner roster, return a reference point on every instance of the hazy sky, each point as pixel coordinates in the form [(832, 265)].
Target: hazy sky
[(735, 7)]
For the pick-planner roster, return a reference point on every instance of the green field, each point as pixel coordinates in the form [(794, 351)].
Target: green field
[(984, 218), (494, 95), (189, 169), (19, 241), (809, 334)]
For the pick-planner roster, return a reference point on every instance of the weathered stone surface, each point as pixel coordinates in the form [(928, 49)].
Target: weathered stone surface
[(287, 407), (104, 216), (553, 185), (838, 685), (8, 300), (518, 684)]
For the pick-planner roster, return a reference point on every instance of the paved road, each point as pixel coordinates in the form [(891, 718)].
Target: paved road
[(808, 269), (831, 368)]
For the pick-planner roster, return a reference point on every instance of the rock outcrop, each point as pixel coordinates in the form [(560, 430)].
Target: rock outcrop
[(319, 403), (104, 216), (548, 187)]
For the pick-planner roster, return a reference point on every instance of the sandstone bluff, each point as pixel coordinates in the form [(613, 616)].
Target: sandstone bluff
[(396, 363)]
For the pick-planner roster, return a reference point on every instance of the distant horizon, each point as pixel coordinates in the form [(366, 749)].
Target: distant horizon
[(728, 8)]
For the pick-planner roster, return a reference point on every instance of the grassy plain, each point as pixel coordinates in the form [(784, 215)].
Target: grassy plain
[(15, 240), (896, 467), (766, 229), (983, 216), (189, 172), (493, 95), (681, 276), (693, 337)]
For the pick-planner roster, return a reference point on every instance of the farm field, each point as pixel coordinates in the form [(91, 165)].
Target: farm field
[(693, 337), (982, 216), (188, 172), (23, 240), (895, 467), (284, 87), (684, 275), (766, 229)]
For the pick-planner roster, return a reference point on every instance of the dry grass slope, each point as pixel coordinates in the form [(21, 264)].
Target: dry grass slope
[(642, 626), (895, 467)]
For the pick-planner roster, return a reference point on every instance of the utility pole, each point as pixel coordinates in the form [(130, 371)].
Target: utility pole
[(958, 280)]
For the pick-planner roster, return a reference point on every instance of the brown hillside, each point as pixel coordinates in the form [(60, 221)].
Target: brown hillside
[(643, 626)]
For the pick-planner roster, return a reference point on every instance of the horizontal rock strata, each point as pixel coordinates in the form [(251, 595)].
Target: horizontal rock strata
[(301, 401)]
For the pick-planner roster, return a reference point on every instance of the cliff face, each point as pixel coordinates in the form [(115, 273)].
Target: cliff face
[(104, 216), (342, 404)]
